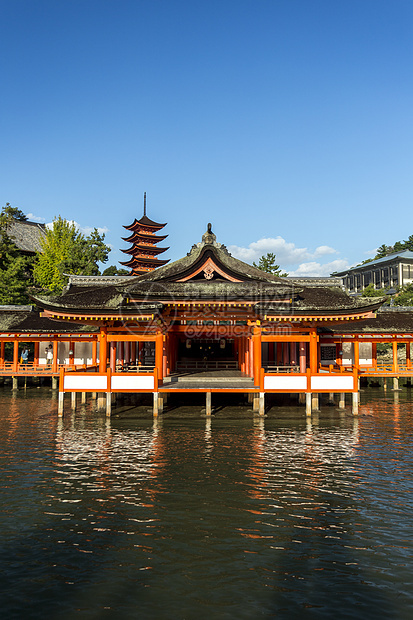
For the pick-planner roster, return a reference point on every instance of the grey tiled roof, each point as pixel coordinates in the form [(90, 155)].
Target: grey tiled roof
[(27, 235), (405, 255)]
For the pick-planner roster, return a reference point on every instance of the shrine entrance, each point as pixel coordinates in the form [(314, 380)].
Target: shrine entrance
[(206, 354)]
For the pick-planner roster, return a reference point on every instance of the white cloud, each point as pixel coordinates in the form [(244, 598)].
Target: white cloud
[(35, 218), (288, 256), (314, 269), (85, 230), (322, 250)]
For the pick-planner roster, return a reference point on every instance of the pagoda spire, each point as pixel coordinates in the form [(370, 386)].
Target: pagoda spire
[(144, 251)]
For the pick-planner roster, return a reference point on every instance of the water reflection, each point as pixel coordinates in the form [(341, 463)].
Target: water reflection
[(191, 517)]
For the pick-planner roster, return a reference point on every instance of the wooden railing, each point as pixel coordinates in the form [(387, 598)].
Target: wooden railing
[(31, 367), (379, 368), (281, 369), (207, 365), (134, 368)]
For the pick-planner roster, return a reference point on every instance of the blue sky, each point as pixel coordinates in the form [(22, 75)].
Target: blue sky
[(285, 123)]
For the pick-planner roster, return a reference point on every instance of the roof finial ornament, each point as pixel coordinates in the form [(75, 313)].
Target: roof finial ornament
[(144, 203), (209, 238)]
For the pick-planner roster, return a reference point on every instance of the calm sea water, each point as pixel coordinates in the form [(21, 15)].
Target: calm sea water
[(190, 519)]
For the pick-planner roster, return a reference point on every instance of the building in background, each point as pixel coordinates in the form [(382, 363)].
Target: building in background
[(390, 272)]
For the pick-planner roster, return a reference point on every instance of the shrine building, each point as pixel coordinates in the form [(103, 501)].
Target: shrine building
[(211, 323)]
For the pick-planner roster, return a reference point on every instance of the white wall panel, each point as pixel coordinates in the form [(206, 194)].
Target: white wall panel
[(87, 383), (285, 383), (333, 383), (133, 383)]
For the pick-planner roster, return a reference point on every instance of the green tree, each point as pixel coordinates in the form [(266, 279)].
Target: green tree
[(65, 250), (383, 251), (15, 269), (114, 271), (408, 243), (370, 291), (267, 263), (399, 246), (404, 297)]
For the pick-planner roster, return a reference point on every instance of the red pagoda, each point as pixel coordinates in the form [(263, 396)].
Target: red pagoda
[(144, 253)]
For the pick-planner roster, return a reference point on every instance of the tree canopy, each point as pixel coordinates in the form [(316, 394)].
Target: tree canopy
[(65, 250), (15, 269), (114, 271), (267, 263), (385, 250), (404, 297)]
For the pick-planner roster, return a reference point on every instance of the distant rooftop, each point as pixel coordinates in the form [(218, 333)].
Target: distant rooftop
[(27, 235), (316, 280), (405, 255)]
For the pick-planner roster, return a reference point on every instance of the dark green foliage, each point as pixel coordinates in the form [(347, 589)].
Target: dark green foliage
[(15, 269), (267, 263), (114, 271), (385, 250), (370, 291), (405, 296)]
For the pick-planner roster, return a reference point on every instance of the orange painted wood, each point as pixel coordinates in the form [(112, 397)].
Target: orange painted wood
[(257, 364), (94, 352), (15, 355), (102, 350), (159, 355), (356, 360), (54, 361), (280, 338), (303, 356), (395, 361), (313, 351), (131, 337), (374, 354)]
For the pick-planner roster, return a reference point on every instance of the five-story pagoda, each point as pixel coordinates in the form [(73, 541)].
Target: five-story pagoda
[(144, 251)]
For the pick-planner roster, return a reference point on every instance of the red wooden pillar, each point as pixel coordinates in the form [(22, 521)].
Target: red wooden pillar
[(303, 357), (408, 358), (71, 353), (395, 362), (271, 353), (250, 357), (374, 354), (103, 350), (55, 352), (356, 354), (165, 356), (279, 354), (94, 352), (256, 345), (339, 358), (313, 351), (127, 352), (112, 356), (133, 353), (15, 355), (159, 355), (2, 353), (293, 353), (286, 354), (36, 354)]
